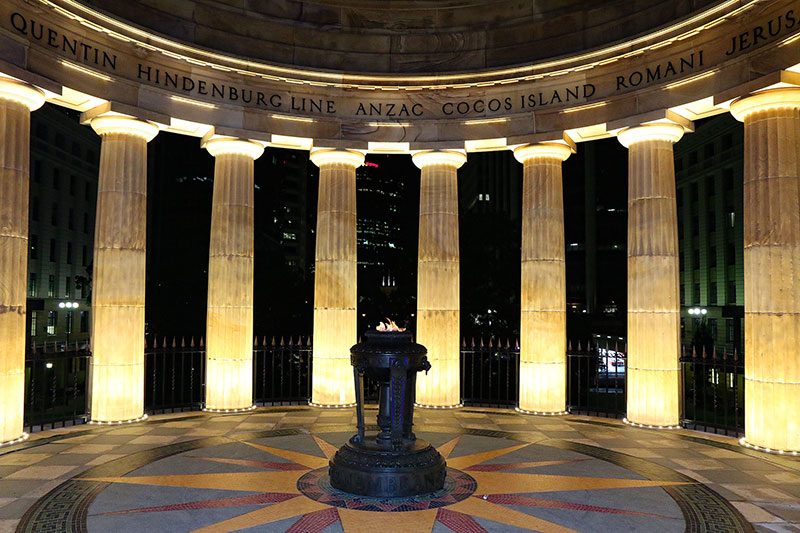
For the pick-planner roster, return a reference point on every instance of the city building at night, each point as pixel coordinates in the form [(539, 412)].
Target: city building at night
[(282, 108)]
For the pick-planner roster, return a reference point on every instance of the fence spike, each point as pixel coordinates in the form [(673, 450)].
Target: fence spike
[(724, 353), (481, 344), (173, 342), (714, 352), (282, 342), (291, 343), (33, 347), (694, 351), (273, 340), (580, 348), (264, 340), (683, 350), (616, 346), (145, 342), (569, 345), (516, 344), (255, 341), (490, 343), (463, 342), (45, 347), (704, 351), (735, 354), (508, 344), (191, 342), (473, 342), (201, 342), (183, 342), (76, 346), (359, 339)]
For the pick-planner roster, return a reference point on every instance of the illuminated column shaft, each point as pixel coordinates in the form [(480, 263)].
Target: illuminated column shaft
[(772, 267), (335, 277), (17, 100), (438, 303), (543, 325), (653, 270), (229, 325), (119, 269)]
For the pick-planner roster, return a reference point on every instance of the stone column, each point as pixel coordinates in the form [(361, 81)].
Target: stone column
[(119, 269), (543, 325), (438, 302), (335, 278), (771, 267), (229, 325), (17, 100), (653, 270)]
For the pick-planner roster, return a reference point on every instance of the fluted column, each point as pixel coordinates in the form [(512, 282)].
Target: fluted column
[(335, 278), (543, 324), (653, 302), (771, 267), (17, 100), (119, 269), (438, 303), (229, 324)]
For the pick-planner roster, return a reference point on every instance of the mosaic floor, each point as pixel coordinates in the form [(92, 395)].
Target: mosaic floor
[(266, 471)]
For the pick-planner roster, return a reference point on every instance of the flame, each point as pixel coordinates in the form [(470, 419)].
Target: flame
[(389, 325)]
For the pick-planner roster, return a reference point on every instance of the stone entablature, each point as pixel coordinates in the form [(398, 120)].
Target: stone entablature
[(64, 47)]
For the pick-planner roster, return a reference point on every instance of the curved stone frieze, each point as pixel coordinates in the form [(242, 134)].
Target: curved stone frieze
[(691, 66)]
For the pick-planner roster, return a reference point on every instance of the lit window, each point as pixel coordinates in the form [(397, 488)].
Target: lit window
[(52, 320)]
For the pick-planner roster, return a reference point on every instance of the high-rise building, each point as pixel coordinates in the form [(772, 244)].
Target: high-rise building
[(708, 172), (63, 196)]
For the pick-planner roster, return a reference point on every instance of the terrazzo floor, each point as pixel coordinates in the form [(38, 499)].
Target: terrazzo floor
[(267, 471)]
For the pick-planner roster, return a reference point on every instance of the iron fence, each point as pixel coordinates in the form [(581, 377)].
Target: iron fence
[(713, 391), (490, 373), (56, 386), (57, 380), (596, 379)]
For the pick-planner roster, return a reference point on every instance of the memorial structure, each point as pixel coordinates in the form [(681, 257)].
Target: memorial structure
[(438, 81)]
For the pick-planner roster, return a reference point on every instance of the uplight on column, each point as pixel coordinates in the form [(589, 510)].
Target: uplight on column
[(653, 269), (335, 278), (771, 268), (17, 100), (119, 270), (543, 324), (438, 303), (229, 325)]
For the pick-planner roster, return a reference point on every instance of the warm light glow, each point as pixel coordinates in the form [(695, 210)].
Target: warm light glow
[(584, 107), (485, 121), (229, 324), (16, 101), (294, 119), (335, 300), (107, 124), (388, 147), (328, 156), (20, 92), (438, 305), (287, 141), (653, 300), (691, 79), (119, 270), (439, 157), (657, 131), (771, 269), (389, 325), (193, 102), (85, 70), (228, 145), (486, 145), (543, 325), (554, 150), (389, 124)]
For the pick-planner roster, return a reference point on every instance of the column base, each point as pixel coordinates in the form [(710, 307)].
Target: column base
[(19, 439), (648, 426), (331, 406), (236, 410), (423, 406), (757, 448), (541, 413), (117, 422)]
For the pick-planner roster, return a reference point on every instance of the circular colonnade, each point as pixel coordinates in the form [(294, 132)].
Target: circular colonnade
[(436, 80)]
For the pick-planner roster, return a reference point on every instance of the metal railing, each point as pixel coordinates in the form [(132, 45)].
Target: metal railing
[(56, 384), (490, 373), (713, 391), (596, 379)]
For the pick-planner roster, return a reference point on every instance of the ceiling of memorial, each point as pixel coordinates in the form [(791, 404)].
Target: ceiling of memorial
[(388, 36)]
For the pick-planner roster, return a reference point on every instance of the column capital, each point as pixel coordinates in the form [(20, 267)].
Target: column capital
[(557, 150), (123, 124), (327, 156), (439, 157), (788, 97), (21, 92), (233, 145), (656, 131)]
